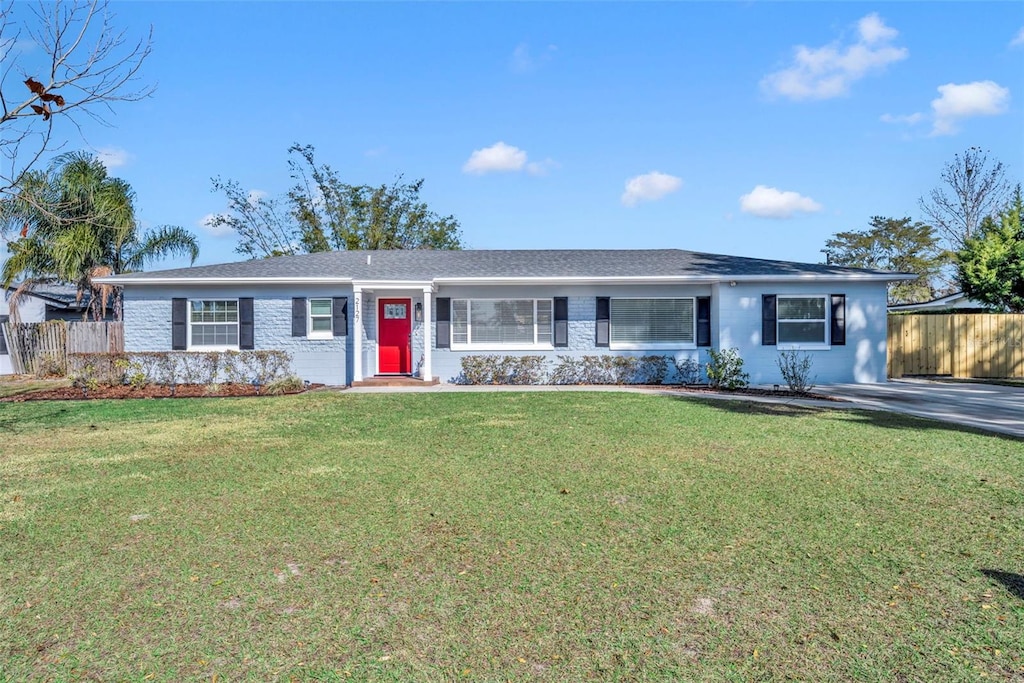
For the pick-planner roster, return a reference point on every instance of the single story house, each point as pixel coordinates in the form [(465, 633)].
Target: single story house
[(349, 315)]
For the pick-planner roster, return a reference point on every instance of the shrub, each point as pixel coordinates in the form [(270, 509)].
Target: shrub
[(85, 375), (687, 370), (493, 369), (725, 369), (796, 371), (267, 366), (568, 370), (651, 370), (50, 365), (285, 385), (610, 370), (168, 371)]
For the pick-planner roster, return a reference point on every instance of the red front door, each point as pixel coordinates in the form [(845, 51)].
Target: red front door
[(394, 331)]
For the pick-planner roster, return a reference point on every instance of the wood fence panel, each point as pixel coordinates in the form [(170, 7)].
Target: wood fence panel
[(32, 345), (962, 345)]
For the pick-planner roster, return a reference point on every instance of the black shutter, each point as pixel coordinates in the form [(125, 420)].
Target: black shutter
[(603, 317), (3, 341), (561, 321), (299, 316), (179, 324), (768, 317), (340, 310), (444, 323), (703, 321), (245, 324), (839, 319)]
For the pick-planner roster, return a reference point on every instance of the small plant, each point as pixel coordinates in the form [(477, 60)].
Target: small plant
[(687, 370), (725, 370), (796, 371), (285, 385), (86, 378)]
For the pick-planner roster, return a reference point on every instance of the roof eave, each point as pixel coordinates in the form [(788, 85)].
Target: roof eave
[(121, 281)]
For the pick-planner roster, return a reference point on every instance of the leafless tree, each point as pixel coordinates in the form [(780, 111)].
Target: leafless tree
[(60, 61), (977, 190)]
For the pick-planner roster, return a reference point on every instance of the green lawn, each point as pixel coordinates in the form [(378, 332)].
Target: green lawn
[(505, 536)]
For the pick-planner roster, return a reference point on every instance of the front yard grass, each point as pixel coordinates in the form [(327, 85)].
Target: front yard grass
[(505, 536)]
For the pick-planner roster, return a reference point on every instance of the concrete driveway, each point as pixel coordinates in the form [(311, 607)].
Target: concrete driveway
[(985, 406)]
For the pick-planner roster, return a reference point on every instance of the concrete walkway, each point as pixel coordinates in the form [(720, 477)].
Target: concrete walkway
[(983, 406)]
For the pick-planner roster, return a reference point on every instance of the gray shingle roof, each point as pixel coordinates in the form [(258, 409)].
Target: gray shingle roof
[(427, 265)]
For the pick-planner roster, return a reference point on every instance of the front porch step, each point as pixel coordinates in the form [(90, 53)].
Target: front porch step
[(395, 381)]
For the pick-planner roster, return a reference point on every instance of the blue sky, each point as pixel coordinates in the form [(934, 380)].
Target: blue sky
[(756, 129)]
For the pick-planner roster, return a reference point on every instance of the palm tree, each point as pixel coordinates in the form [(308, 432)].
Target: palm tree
[(77, 223)]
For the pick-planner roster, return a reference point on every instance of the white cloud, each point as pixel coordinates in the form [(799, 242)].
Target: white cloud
[(375, 152), (909, 119), (650, 187), (769, 202), (873, 30), (255, 196), (208, 223), (1018, 40), (524, 60), (829, 71), (113, 157), (498, 157), (962, 101)]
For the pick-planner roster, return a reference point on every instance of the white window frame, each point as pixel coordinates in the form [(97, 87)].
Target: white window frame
[(319, 334), (803, 346), (214, 347), (653, 346), (493, 346)]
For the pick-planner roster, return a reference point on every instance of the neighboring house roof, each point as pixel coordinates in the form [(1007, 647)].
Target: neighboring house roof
[(957, 300), (487, 266), (59, 296)]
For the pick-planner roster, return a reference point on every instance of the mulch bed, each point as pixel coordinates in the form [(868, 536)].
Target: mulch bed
[(151, 391), (750, 391)]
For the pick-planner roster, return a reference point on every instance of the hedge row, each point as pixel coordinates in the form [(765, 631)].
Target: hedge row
[(493, 369), (171, 368)]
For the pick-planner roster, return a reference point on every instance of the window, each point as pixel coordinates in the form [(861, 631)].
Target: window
[(651, 323), (802, 319), (214, 324), (510, 323), (321, 324)]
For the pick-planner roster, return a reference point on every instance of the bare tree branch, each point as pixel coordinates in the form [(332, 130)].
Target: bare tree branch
[(978, 190), (86, 66)]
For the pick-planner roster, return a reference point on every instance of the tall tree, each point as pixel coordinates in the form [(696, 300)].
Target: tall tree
[(972, 189), (76, 223), (990, 267), (71, 62), (323, 213), (898, 244)]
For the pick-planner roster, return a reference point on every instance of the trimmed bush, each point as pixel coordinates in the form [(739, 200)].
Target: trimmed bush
[(171, 368), (687, 370), (725, 369), (493, 369)]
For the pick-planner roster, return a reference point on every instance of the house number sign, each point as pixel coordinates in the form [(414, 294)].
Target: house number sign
[(394, 311)]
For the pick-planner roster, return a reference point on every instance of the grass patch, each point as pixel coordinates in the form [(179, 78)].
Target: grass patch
[(544, 536)]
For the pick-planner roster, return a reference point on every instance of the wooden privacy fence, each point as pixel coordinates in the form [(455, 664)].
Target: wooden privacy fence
[(957, 345), (36, 347)]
